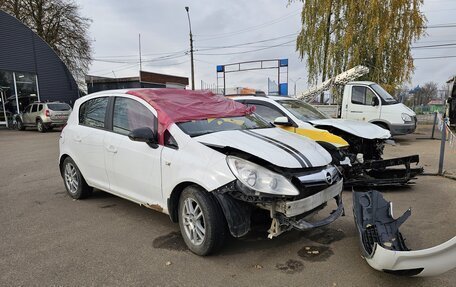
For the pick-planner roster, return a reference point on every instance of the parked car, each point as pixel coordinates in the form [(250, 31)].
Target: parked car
[(205, 160), (356, 146), (43, 116)]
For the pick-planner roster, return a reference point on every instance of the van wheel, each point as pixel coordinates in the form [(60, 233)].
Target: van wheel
[(75, 184), (40, 126), (20, 126), (201, 221)]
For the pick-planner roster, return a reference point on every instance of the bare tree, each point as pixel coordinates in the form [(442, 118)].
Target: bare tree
[(59, 23)]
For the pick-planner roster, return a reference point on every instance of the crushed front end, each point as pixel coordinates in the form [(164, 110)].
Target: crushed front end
[(303, 193)]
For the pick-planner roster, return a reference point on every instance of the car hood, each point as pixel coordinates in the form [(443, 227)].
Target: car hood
[(274, 145), (357, 128)]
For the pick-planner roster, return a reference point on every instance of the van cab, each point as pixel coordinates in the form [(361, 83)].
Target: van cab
[(369, 102)]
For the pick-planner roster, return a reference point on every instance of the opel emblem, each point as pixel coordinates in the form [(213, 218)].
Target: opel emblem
[(328, 178)]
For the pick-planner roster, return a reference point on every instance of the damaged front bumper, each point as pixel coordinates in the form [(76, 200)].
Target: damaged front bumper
[(384, 172), (285, 214), (384, 247)]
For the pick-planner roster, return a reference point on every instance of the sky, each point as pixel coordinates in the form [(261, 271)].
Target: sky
[(164, 30)]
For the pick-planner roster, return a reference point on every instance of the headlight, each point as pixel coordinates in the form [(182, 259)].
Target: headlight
[(259, 178), (406, 118)]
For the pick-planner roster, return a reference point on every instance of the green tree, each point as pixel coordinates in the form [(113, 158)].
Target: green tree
[(59, 23), (339, 34)]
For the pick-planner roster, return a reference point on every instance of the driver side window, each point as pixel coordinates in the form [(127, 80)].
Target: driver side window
[(129, 115), (362, 96)]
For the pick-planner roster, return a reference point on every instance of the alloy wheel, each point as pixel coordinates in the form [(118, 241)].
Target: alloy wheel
[(71, 178), (193, 221)]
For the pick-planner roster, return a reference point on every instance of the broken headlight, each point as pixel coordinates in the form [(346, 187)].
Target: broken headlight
[(259, 178)]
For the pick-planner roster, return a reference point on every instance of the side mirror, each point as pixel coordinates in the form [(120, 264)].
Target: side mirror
[(374, 101), (282, 121), (144, 135)]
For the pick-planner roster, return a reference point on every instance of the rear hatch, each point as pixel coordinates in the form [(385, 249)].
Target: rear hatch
[(59, 112)]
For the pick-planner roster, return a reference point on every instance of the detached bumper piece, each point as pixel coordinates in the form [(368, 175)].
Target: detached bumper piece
[(384, 172), (383, 246)]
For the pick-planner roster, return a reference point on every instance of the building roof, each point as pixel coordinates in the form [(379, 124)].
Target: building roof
[(145, 77), (436, 102)]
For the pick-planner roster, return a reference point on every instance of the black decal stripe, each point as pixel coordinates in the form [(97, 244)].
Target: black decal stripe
[(308, 163), (301, 162)]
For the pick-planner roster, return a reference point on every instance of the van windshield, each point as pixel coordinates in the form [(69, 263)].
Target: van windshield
[(201, 127), (302, 111), (386, 98)]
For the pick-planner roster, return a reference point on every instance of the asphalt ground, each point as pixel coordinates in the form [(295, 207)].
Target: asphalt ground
[(48, 239)]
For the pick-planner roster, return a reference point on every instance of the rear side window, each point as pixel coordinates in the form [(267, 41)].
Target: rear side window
[(59, 107), (34, 108), (40, 107), (130, 114), (92, 112)]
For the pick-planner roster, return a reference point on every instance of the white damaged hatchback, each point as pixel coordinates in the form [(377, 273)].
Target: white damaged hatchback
[(207, 161)]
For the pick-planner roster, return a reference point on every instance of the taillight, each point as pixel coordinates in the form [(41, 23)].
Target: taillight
[(47, 113)]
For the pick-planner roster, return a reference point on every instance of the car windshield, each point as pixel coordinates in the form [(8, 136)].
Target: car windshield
[(387, 98), (212, 125), (302, 111), (59, 107)]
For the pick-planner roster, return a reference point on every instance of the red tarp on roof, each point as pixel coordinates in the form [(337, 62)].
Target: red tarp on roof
[(175, 106)]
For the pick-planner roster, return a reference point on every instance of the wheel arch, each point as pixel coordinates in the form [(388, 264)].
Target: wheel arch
[(173, 200), (61, 160), (382, 123)]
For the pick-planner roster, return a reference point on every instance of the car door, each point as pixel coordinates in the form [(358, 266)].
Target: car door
[(134, 168), (87, 142), (26, 115), (360, 106), (33, 114)]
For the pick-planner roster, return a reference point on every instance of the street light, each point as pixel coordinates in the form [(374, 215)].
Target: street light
[(191, 48), (295, 84)]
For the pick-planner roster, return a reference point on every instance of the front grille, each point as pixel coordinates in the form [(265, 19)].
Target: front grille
[(310, 183)]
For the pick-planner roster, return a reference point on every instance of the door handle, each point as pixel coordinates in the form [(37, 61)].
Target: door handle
[(77, 139), (111, 148), (356, 112)]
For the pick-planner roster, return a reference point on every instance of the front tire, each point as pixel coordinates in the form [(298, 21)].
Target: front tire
[(75, 184), (201, 221), (40, 126), (20, 125)]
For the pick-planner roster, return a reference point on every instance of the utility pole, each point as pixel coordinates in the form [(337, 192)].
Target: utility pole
[(191, 48), (140, 60)]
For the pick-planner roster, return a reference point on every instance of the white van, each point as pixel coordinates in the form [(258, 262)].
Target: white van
[(369, 102)]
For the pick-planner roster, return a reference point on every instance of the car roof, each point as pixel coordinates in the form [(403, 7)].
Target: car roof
[(262, 98)]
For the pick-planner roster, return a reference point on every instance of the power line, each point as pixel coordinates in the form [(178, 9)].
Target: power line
[(204, 48), (243, 52), (436, 57), (434, 46), (248, 29)]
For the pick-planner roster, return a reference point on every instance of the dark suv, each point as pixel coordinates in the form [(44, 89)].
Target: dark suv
[(43, 116)]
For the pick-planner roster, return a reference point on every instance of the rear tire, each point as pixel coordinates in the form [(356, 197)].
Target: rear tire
[(40, 126), (201, 220), (20, 125), (75, 184)]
